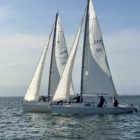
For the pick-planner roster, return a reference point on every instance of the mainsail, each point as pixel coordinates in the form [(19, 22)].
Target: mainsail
[(63, 89), (58, 58), (96, 77), (34, 87)]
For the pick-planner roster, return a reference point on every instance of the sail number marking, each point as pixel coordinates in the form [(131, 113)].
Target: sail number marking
[(99, 41), (98, 50)]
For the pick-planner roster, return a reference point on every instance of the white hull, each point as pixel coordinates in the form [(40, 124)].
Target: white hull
[(41, 107), (81, 108)]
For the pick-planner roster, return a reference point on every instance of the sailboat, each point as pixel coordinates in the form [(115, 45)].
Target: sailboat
[(58, 60), (96, 78)]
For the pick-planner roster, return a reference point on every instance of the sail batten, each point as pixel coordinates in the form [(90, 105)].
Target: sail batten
[(96, 76)]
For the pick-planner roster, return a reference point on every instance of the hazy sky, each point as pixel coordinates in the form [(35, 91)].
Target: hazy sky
[(25, 25)]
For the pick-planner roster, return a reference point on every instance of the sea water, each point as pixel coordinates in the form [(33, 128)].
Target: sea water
[(17, 125)]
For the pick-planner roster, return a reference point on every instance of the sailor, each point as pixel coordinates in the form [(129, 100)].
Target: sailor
[(60, 102), (115, 102), (42, 98), (102, 101), (77, 98)]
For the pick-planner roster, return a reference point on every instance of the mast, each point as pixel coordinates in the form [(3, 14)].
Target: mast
[(83, 55), (54, 36)]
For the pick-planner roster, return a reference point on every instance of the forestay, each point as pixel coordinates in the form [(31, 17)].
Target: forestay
[(96, 76), (34, 87), (59, 58)]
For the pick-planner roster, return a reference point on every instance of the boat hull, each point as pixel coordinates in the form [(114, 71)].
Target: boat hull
[(83, 109), (37, 107)]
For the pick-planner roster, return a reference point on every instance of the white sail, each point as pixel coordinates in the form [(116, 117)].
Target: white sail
[(34, 87), (63, 89), (96, 76), (59, 58), (96, 71)]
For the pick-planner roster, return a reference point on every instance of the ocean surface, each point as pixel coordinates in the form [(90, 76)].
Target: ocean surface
[(17, 125)]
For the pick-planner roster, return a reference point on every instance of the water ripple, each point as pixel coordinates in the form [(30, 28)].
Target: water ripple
[(15, 125)]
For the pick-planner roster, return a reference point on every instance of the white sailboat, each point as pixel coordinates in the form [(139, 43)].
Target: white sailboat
[(96, 77), (59, 57)]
